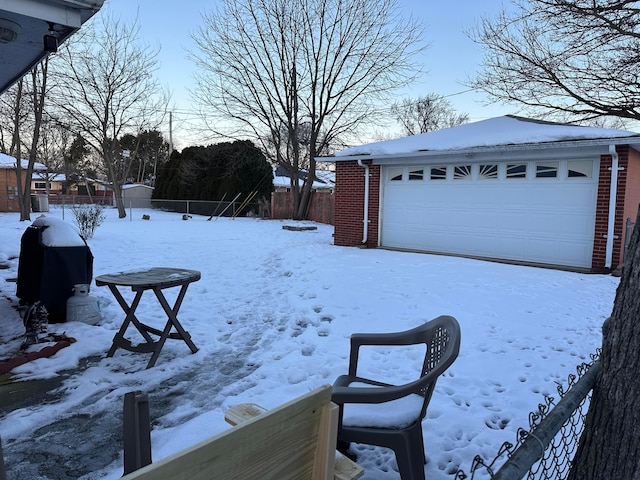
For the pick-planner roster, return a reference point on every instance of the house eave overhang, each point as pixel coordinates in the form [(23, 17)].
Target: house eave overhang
[(560, 149), (34, 19)]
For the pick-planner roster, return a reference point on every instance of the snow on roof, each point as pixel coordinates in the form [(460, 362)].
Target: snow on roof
[(326, 176), (494, 132), (55, 177), (7, 161), (135, 185), (283, 181)]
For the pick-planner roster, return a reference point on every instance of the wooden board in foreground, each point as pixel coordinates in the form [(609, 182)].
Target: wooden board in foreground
[(295, 441), (344, 467)]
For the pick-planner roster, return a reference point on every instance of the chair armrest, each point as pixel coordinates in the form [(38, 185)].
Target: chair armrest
[(376, 339), (379, 392), (394, 338)]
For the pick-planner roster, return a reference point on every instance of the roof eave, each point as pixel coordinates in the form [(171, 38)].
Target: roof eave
[(633, 141)]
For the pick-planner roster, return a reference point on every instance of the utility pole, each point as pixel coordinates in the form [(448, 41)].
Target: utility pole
[(170, 133)]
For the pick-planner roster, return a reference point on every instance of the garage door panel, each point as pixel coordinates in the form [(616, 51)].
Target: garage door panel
[(533, 220)]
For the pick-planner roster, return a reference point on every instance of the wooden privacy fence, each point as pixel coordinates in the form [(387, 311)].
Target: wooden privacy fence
[(320, 209)]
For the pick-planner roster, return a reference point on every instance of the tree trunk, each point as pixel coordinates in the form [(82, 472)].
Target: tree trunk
[(301, 207), (115, 184), (38, 92), (301, 210), (610, 445), (117, 196), (16, 146)]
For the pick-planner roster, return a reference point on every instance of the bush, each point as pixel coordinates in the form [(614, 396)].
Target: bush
[(88, 218)]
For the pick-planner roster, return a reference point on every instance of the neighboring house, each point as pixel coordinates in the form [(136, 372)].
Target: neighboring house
[(9, 182), (136, 195), (56, 181), (325, 180), (508, 188), (39, 182)]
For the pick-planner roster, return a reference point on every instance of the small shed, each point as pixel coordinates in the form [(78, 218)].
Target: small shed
[(137, 195)]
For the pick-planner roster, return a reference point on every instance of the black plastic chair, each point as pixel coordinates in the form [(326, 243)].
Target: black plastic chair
[(441, 336)]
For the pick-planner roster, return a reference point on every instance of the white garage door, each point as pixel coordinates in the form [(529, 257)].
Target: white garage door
[(542, 212)]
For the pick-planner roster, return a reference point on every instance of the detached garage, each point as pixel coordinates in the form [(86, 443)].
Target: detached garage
[(508, 188)]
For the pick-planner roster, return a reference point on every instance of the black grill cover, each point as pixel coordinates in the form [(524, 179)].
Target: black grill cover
[(48, 273)]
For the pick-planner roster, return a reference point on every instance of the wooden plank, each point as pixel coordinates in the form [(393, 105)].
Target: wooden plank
[(325, 457), (344, 467), (279, 444)]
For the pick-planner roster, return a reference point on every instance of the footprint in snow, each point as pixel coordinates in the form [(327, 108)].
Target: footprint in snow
[(495, 422)]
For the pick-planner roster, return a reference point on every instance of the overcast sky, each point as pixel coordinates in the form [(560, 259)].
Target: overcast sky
[(449, 61)]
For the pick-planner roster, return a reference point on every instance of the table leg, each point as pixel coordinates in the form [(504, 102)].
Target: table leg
[(172, 314), (159, 344), (119, 339), (130, 311)]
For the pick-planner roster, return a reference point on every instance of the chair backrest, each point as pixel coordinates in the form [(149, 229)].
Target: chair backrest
[(441, 337)]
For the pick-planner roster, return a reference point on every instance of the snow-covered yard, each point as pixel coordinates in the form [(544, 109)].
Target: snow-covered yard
[(272, 315)]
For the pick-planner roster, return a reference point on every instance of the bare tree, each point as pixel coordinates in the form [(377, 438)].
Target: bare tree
[(107, 88), (54, 141), (24, 105), (13, 113), (579, 57), (146, 151), (296, 76), (426, 114)]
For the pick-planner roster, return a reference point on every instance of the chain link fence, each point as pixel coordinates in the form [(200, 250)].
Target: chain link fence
[(544, 451), (211, 208)]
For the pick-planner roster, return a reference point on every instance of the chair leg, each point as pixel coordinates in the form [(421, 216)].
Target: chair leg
[(408, 446), (410, 455)]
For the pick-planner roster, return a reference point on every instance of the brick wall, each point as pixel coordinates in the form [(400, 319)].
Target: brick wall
[(349, 204), (598, 261)]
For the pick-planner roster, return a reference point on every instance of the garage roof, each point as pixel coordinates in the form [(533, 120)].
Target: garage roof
[(506, 132), (23, 26), (7, 161)]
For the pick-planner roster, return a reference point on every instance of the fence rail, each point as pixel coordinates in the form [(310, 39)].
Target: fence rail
[(211, 208)]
